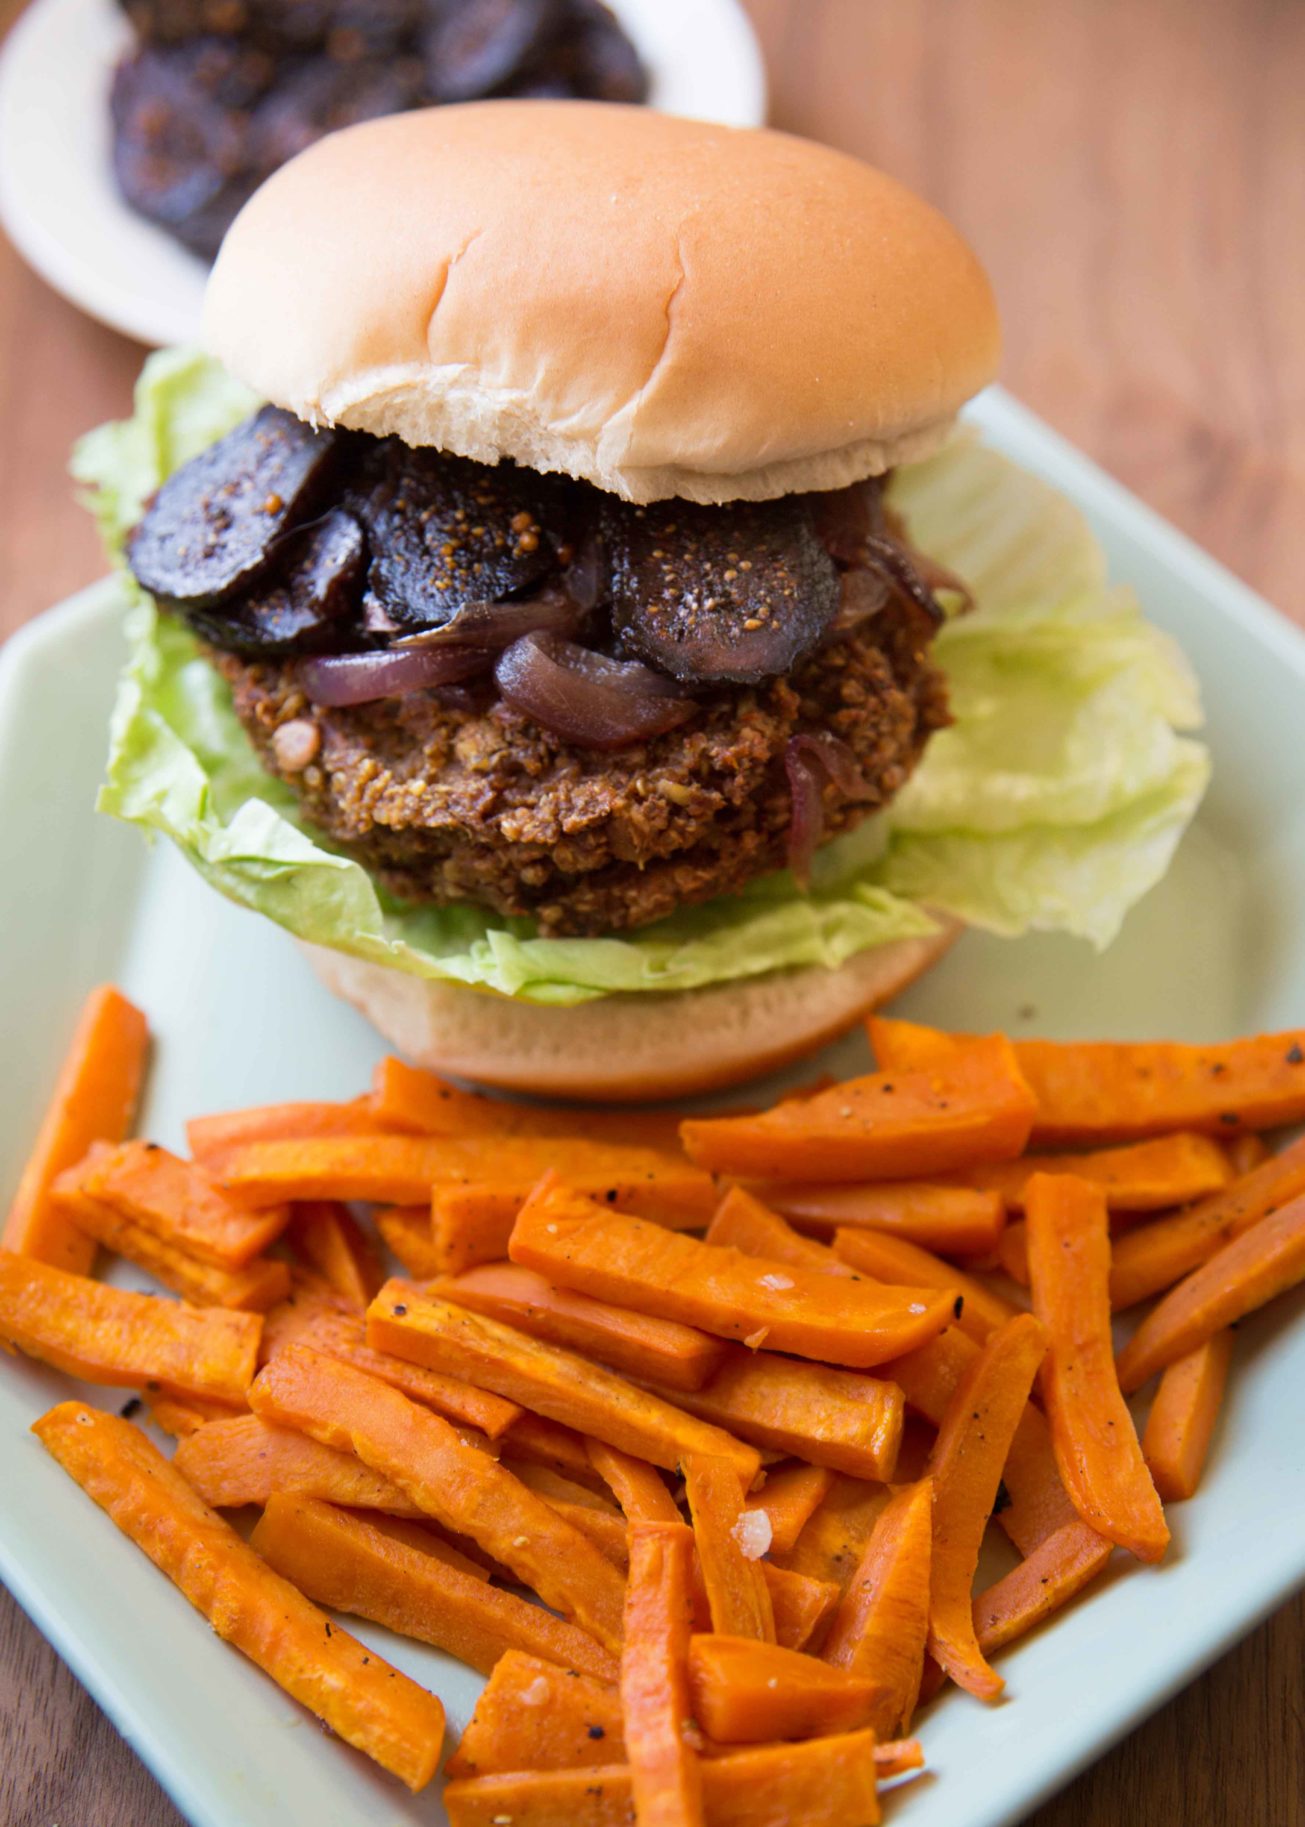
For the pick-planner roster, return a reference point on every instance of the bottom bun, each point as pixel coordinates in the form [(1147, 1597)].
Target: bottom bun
[(626, 1048)]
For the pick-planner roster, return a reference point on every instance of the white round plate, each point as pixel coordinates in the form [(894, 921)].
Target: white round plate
[(60, 208)]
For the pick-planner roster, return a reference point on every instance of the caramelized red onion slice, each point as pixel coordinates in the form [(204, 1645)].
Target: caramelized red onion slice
[(586, 698), (492, 625), (900, 568), (341, 679), (810, 760)]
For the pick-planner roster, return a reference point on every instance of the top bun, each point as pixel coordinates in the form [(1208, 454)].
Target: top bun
[(654, 305)]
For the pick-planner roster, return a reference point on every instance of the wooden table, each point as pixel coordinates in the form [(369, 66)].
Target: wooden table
[(1134, 176)]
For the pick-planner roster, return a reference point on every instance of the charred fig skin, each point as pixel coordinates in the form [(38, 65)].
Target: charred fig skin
[(320, 569), (720, 595), (211, 530), (445, 532)]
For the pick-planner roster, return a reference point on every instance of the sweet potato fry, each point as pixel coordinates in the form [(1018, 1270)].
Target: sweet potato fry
[(655, 1350), (746, 1693), (788, 1499), (129, 1341), (403, 1170), (1013, 1250), (1042, 1584), (472, 1216), (464, 1490), (881, 1626), (978, 1311), (1139, 1177), (821, 1782), (1100, 1091), (182, 1416), (554, 1486), (1246, 1152), (352, 1564), (830, 1547), (1037, 1504), (898, 1757), (533, 1715), (1155, 1256), (636, 1485), (244, 1460), (406, 1230), (603, 1528), (802, 1606), (970, 1108), (408, 1322), (1183, 1416), (665, 1774), (635, 1264), (355, 1692), (966, 1469), (955, 1220), (1092, 1431), (329, 1241), (259, 1285), (384, 1169), (742, 1222), (176, 1201), (411, 1099), (211, 1139), (424, 1537), (344, 1336), (94, 1100), (737, 1595), (837, 1418), (542, 1442), (1263, 1262)]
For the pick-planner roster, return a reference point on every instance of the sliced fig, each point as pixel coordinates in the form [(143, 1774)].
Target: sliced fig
[(444, 532), (733, 594), (318, 94), (603, 64), (178, 140), (318, 587), (210, 530), (481, 46)]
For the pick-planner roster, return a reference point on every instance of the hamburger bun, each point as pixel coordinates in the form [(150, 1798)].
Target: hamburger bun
[(661, 307), (627, 1048)]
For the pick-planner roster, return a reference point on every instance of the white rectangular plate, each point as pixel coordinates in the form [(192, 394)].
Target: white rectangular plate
[(1219, 948)]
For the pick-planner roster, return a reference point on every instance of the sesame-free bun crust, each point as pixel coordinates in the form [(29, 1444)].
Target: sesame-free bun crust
[(626, 1048), (655, 305)]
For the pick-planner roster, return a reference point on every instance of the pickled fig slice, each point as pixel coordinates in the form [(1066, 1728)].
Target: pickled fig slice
[(733, 594), (479, 46), (210, 530), (318, 585), (445, 532)]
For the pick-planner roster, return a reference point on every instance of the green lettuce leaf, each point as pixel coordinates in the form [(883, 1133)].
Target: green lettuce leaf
[(1054, 802)]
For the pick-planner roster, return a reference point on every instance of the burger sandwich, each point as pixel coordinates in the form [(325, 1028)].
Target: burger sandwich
[(562, 597)]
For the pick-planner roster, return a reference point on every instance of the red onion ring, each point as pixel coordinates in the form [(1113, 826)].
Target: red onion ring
[(479, 624), (806, 824), (899, 567), (810, 759), (342, 679), (586, 698)]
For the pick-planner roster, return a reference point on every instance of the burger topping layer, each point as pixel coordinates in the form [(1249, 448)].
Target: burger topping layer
[(407, 568), (495, 685)]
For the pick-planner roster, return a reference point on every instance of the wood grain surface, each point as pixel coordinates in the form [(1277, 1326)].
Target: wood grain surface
[(1133, 173)]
